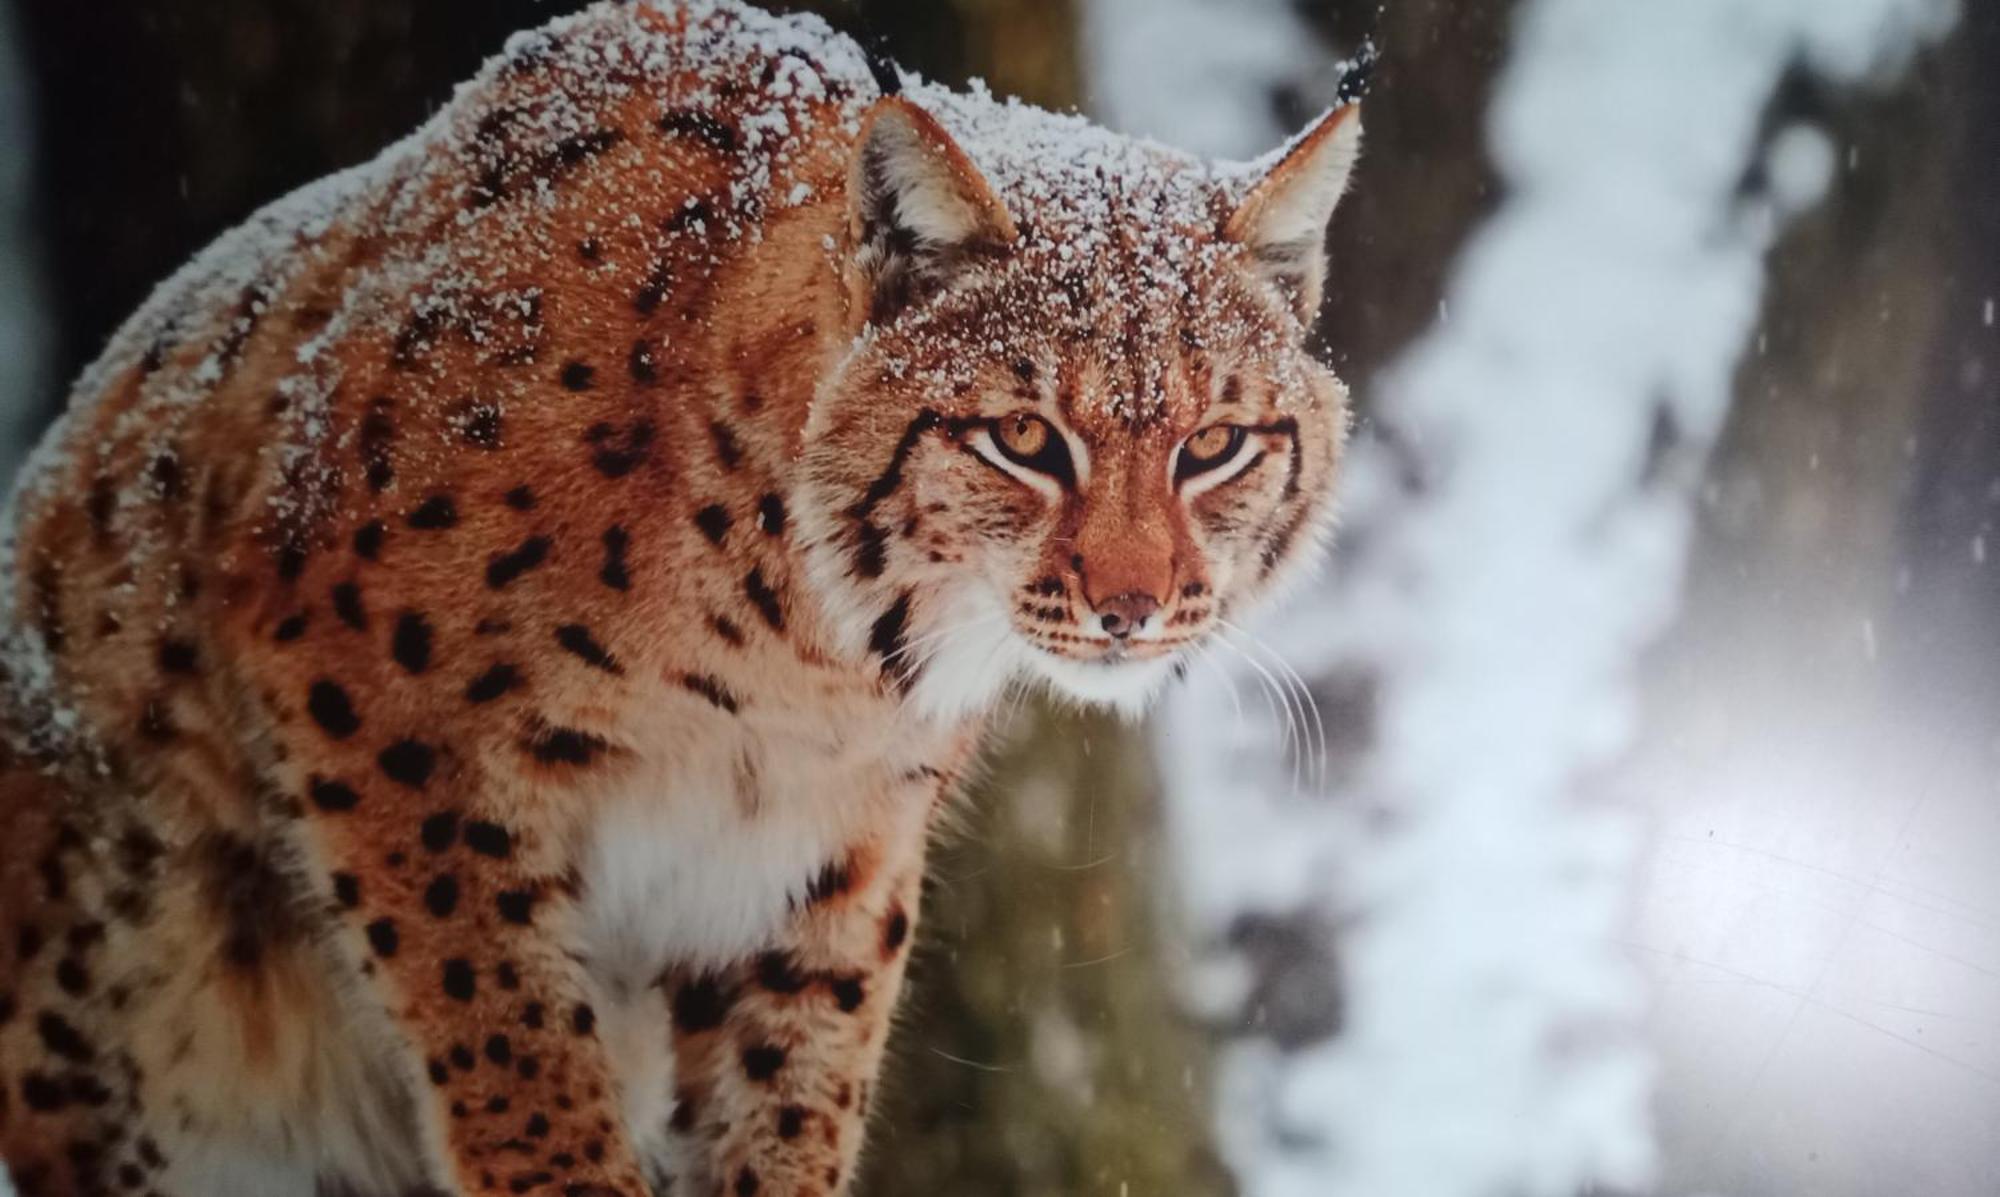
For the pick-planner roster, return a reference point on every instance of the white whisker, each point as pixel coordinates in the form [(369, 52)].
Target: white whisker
[(1274, 698), (1308, 706)]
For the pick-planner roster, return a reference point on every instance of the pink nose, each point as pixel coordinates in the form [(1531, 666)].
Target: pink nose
[(1123, 614)]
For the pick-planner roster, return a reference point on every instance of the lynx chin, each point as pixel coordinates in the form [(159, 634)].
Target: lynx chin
[(483, 654)]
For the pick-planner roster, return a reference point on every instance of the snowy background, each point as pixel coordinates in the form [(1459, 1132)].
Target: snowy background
[(1616, 813)]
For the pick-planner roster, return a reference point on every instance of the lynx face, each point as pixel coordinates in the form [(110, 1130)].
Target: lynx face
[(1079, 428)]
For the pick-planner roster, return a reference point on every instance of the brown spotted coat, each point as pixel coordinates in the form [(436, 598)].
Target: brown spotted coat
[(485, 650)]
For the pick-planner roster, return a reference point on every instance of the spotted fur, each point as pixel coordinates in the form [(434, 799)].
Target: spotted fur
[(485, 649)]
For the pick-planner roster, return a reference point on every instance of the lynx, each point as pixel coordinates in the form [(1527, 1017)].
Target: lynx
[(487, 646)]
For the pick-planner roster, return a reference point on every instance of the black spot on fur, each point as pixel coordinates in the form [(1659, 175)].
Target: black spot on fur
[(169, 479), (764, 598), (441, 896), (290, 628), (378, 434), (849, 993), (771, 514), (481, 426), (383, 938), (583, 1019), (727, 629), (440, 831), (616, 454), (702, 126), (62, 1039), (576, 376), (332, 796), (521, 498), (516, 906), (614, 573), (72, 977), (368, 540), (778, 972), (489, 839), (497, 680), (43, 1095), (460, 982), (644, 362), (711, 689), (791, 1121), (411, 644), (835, 879), (347, 890), (408, 762), (576, 640), (347, 605), (251, 897), (566, 746), (728, 450), (434, 514), (713, 520), (503, 568), (646, 300), (499, 1050), (895, 929), (178, 656), (332, 710), (762, 1062), (700, 1005)]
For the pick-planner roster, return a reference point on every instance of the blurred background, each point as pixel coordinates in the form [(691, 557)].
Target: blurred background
[(1620, 814)]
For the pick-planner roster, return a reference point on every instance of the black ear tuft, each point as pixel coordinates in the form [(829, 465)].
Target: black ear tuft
[(888, 78), (1359, 72)]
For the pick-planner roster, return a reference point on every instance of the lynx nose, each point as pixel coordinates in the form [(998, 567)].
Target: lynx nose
[(1123, 614)]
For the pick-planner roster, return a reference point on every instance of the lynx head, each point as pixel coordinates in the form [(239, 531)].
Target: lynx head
[(1078, 428)]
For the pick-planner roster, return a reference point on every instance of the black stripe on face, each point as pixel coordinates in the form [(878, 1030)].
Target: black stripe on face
[(870, 558), (891, 478), (1280, 544), (871, 555), (1286, 427), (888, 640)]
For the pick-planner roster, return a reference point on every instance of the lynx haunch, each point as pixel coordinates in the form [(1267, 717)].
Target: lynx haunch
[(486, 647)]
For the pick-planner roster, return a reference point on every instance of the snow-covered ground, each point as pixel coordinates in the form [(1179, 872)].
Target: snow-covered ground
[(1490, 1040)]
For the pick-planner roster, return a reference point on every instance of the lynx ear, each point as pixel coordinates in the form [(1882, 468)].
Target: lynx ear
[(917, 210), (1282, 222)]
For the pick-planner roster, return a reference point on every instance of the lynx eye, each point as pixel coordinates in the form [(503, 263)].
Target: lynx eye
[(1208, 449), (1029, 441)]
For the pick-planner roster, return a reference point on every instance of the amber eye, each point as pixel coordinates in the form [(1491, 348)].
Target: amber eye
[(1213, 446), (1027, 440), (1022, 435)]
